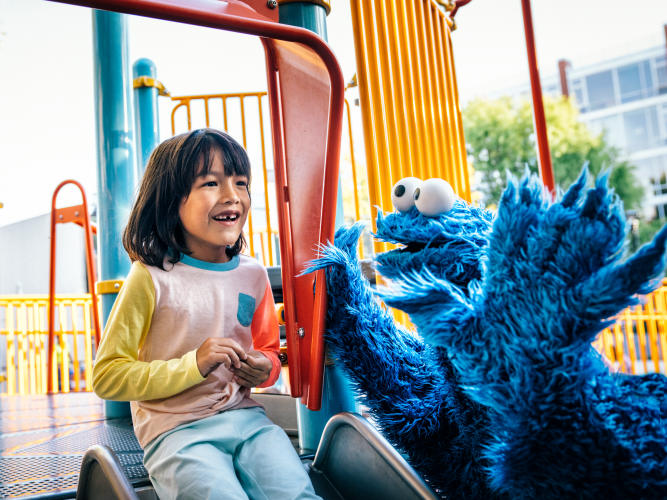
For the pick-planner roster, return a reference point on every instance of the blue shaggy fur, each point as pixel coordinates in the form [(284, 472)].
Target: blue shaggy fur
[(410, 387), (552, 277)]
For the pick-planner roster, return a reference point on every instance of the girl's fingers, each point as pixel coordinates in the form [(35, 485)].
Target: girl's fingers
[(233, 357), (248, 370), (232, 344), (245, 382)]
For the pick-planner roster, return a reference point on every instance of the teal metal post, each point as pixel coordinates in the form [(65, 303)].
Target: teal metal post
[(337, 394), (146, 109), (116, 158)]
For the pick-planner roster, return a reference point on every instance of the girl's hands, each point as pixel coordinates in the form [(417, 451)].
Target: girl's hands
[(254, 371), (217, 351)]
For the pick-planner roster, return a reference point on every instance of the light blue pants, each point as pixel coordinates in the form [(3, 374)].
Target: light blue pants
[(237, 454)]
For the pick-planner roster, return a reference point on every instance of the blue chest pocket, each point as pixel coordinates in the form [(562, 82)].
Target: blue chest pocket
[(246, 309)]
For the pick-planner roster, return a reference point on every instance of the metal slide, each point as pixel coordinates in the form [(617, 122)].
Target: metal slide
[(353, 462)]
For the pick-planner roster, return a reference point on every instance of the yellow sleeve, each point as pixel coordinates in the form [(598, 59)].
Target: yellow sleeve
[(117, 374)]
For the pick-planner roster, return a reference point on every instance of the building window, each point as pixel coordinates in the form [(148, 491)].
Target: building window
[(600, 88), (635, 82), (661, 74), (642, 130), (655, 171)]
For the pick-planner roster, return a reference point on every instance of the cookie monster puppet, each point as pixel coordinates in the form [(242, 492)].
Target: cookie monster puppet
[(526, 409)]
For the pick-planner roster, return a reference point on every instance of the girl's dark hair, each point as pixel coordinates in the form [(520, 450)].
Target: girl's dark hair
[(155, 229)]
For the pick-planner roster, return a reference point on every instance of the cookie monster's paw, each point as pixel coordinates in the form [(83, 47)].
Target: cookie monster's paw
[(438, 308)]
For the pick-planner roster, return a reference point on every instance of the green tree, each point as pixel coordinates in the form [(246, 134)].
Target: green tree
[(500, 138)]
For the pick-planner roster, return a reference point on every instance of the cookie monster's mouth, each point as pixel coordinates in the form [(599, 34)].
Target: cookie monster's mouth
[(412, 247)]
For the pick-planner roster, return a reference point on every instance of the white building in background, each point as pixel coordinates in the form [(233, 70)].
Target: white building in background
[(25, 249), (626, 97)]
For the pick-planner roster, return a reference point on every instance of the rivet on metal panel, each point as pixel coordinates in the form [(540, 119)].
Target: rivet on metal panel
[(60, 217), (272, 4), (302, 332), (76, 214)]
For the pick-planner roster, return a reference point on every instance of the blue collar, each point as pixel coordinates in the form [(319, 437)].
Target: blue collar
[(212, 266)]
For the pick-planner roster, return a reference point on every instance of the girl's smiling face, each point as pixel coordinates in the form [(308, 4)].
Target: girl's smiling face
[(214, 213)]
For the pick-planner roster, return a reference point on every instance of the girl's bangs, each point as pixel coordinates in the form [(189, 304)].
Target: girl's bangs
[(234, 158)]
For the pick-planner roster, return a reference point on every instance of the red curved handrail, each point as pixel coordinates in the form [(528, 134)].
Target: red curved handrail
[(82, 217)]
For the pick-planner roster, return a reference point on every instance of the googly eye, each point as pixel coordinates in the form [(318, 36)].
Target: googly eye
[(402, 193), (434, 197)]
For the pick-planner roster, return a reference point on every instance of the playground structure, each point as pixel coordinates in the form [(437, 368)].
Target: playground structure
[(409, 103)]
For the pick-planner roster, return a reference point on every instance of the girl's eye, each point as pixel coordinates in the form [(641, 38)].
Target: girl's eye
[(211, 184), (242, 183)]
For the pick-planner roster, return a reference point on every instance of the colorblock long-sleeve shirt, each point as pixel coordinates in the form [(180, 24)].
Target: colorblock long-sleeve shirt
[(148, 351)]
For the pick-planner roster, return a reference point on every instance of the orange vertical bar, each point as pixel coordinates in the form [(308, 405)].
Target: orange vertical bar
[(266, 183), (653, 334), (629, 333), (354, 165), (413, 27), (364, 44), (448, 165), (452, 117), (11, 350), (410, 91), (427, 92), (662, 312), (395, 91), (641, 332), (466, 195), (436, 102)]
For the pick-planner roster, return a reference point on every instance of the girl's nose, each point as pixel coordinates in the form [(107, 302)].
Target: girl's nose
[(228, 192)]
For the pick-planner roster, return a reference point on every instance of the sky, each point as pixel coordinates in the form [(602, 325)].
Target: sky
[(47, 128)]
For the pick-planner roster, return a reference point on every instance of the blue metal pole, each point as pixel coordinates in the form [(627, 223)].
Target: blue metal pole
[(117, 172), (146, 109), (337, 394)]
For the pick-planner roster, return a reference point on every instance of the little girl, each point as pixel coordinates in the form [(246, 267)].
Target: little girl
[(194, 328)]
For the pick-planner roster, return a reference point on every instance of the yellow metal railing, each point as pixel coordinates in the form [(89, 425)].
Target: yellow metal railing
[(24, 327), (408, 95), (268, 235), (637, 342)]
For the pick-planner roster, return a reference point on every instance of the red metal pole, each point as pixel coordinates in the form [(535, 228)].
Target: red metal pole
[(52, 294), (539, 118), (90, 268)]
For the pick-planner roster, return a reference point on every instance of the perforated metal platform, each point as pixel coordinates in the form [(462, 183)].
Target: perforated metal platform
[(43, 439)]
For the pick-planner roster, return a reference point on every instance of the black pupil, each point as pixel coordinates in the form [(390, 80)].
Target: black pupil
[(400, 190), (417, 194)]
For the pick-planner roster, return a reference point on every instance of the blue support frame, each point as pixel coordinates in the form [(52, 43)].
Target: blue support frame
[(116, 157), (146, 109)]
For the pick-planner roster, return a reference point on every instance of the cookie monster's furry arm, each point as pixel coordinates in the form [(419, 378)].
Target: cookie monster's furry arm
[(409, 387), (387, 363)]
